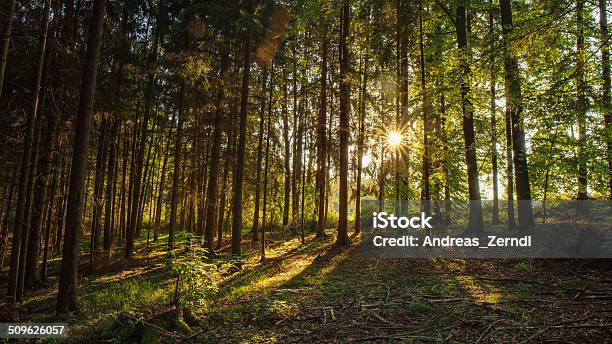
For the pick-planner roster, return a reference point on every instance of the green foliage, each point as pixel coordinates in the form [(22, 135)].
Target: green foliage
[(198, 275)]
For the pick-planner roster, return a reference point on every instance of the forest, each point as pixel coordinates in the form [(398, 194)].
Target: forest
[(195, 170)]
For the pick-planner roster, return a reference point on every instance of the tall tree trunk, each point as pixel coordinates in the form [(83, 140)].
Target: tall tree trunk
[(360, 140), (475, 224), (108, 234), (493, 120), (509, 172), (239, 171), (297, 147), (213, 178), (162, 183), (177, 167), (581, 103), (19, 247), (605, 94), (287, 147), (61, 208), (28, 213), (260, 135), (41, 186), (226, 169), (514, 104), (344, 127), (266, 168), (427, 123), (445, 149), (322, 139), (42, 179), (6, 39), (124, 187), (66, 296), (98, 201)]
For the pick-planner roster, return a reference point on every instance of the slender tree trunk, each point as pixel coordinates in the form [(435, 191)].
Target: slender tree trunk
[(62, 206), (493, 121), (98, 202), (162, 183), (177, 167), (344, 127), (145, 177), (514, 104), (213, 178), (605, 94), (28, 213), (266, 168), (509, 172), (360, 140), (322, 139), (66, 296), (262, 111), (475, 225), (53, 200), (124, 187), (226, 168), (108, 234), (41, 186), (427, 123), (239, 171), (287, 147), (297, 147), (581, 104), (6, 39)]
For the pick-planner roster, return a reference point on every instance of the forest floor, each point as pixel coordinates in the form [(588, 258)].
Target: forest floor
[(318, 293)]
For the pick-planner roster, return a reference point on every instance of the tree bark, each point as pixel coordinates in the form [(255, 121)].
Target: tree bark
[(605, 94), (322, 139), (266, 168), (239, 171), (427, 123), (287, 148), (213, 178), (494, 155), (66, 296), (514, 106), (344, 127), (177, 167), (108, 218), (475, 224), (98, 201), (260, 135), (581, 103), (226, 169), (360, 141)]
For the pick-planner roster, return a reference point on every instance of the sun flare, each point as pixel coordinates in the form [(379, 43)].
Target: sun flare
[(394, 139)]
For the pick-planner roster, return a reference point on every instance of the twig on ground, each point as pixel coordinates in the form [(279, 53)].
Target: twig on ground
[(486, 331)]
